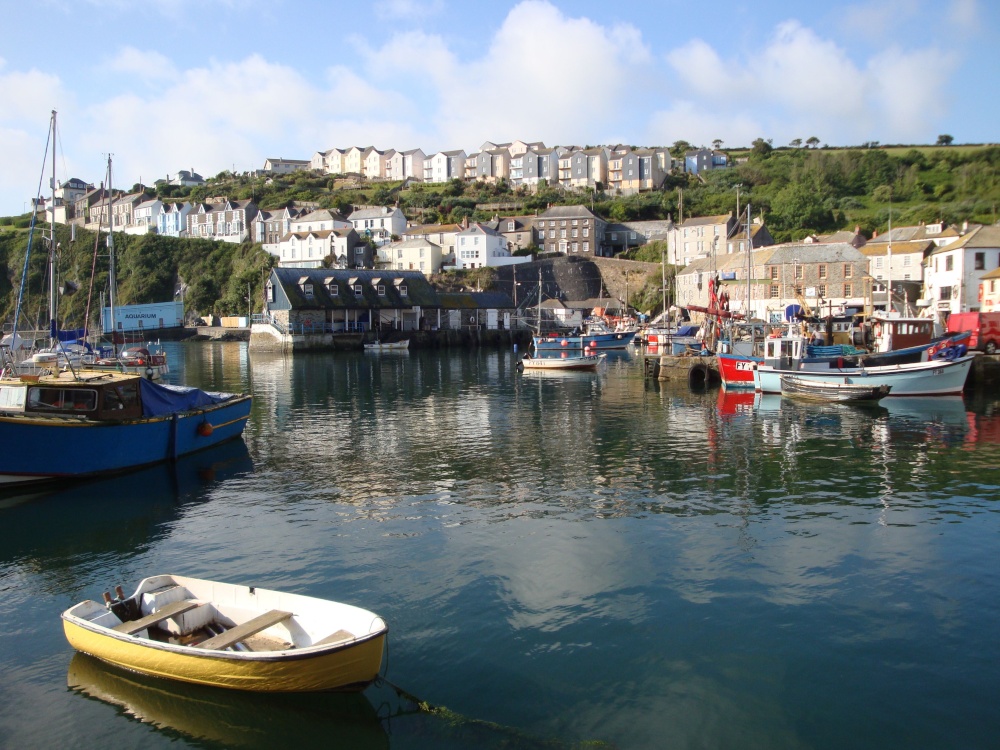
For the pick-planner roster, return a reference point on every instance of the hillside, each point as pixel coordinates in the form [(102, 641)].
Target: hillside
[(798, 191)]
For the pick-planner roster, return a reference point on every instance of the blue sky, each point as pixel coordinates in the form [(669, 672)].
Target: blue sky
[(224, 84)]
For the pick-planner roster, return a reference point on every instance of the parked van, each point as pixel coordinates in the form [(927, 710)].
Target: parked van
[(985, 329)]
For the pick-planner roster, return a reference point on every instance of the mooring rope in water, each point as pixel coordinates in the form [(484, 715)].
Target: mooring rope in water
[(456, 719)]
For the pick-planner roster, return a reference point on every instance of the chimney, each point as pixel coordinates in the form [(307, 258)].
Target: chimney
[(857, 229)]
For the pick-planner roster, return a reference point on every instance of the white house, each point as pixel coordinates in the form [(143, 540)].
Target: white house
[(477, 245), (379, 222), (145, 217), (952, 272), (172, 219), (416, 254)]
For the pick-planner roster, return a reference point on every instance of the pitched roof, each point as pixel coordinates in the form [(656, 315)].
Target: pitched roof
[(569, 212), (698, 221), (419, 290)]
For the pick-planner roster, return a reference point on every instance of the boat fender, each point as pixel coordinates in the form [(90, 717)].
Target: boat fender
[(205, 429), (149, 373), (564, 342)]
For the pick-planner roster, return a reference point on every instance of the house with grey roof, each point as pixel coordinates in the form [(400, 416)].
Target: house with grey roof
[(286, 166), (172, 220), (571, 230), (379, 223), (329, 301)]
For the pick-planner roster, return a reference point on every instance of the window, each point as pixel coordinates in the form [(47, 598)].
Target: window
[(510, 226), (403, 291), (822, 273), (944, 292), (821, 290), (799, 271), (334, 289), (586, 231), (773, 273), (848, 271), (307, 291), (562, 234), (848, 290), (269, 291), (359, 250), (774, 291), (980, 261), (357, 290), (907, 260), (381, 290), (586, 247), (878, 262), (949, 263)]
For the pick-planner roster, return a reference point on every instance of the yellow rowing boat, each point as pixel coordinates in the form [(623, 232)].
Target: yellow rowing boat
[(231, 636)]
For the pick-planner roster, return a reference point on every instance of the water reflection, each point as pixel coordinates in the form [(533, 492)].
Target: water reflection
[(228, 717), (123, 514)]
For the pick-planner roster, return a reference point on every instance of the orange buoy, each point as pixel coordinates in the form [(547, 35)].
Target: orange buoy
[(205, 429)]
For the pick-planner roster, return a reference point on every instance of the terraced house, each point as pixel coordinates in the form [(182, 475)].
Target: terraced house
[(222, 219)]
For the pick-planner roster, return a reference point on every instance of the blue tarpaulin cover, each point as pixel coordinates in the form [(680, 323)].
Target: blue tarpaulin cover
[(687, 330), (160, 400)]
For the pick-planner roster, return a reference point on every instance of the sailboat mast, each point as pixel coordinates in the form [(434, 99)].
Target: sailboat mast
[(53, 323), (888, 270), (111, 262)]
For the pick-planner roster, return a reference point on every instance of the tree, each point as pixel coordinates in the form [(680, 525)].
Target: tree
[(944, 140), (762, 148), (717, 144), (680, 148), (795, 143), (812, 142)]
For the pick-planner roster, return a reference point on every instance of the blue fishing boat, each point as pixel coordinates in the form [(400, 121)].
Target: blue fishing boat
[(84, 423), (595, 336)]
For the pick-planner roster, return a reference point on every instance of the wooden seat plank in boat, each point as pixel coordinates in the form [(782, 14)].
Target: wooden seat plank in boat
[(251, 627), (163, 613), (340, 635)]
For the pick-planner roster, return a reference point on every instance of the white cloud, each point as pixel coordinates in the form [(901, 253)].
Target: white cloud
[(558, 91), (964, 15), (402, 10), (801, 84), (148, 65)]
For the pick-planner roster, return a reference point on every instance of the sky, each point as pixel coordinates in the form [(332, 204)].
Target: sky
[(215, 85)]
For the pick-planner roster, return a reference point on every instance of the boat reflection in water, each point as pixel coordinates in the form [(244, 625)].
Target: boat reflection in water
[(113, 514), (231, 718)]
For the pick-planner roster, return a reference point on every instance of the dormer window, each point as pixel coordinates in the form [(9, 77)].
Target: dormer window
[(269, 291), (403, 292), (357, 290)]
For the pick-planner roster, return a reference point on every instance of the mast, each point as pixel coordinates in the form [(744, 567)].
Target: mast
[(888, 271), (53, 323), (749, 270), (111, 262)]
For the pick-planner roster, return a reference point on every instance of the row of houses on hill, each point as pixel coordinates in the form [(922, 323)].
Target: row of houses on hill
[(619, 169)]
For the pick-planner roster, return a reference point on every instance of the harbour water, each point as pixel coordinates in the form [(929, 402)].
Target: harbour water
[(564, 560)]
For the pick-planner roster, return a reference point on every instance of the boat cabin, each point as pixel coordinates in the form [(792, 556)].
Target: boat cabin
[(783, 352), (892, 334), (101, 397)]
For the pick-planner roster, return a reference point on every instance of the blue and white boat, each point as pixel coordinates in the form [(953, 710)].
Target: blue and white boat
[(87, 423), (596, 336), (938, 377)]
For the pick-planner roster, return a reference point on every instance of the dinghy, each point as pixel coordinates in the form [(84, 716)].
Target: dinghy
[(231, 636)]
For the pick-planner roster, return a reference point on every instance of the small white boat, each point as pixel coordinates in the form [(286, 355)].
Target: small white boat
[(381, 346), (832, 391), (575, 362), (231, 636)]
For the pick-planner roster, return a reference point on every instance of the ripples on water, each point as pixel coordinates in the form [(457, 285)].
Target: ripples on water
[(572, 556)]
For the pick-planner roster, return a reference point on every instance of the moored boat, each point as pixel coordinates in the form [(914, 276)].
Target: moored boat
[(815, 390), (86, 423), (597, 336), (934, 378), (231, 636), (574, 362), (381, 346)]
